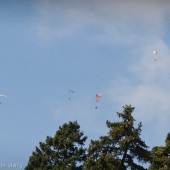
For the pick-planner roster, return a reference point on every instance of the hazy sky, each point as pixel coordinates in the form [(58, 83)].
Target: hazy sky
[(48, 47)]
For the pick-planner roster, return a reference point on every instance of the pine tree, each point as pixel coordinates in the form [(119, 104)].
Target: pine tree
[(160, 156), (120, 148), (62, 152)]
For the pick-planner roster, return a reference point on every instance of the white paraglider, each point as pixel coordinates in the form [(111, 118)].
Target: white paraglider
[(2, 95), (155, 53)]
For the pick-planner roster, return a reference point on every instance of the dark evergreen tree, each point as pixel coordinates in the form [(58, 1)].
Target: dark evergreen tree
[(121, 148), (62, 152), (160, 156)]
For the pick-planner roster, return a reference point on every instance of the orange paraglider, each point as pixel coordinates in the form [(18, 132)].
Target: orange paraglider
[(98, 97)]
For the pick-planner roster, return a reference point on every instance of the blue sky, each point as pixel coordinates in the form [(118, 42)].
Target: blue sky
[(50, 47)]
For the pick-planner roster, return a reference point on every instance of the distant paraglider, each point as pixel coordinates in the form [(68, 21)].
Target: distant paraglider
[(98, 97), (2, 95), (71, 92), (155, 53)]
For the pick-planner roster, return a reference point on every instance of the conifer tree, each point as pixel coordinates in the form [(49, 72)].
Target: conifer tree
[(160, 156), (121, 148), (62, 152)]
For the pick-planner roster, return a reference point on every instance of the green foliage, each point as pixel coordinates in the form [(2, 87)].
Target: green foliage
[(160, 156), (119, 149), (63, 151)]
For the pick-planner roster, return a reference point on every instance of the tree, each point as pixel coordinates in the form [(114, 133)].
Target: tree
[(120, 148), (63, 151), (160, 156)]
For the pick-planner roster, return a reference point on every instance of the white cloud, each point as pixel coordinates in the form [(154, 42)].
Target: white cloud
[(115, 21)]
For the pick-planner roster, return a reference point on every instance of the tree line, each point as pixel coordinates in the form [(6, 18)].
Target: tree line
[(121, 149)]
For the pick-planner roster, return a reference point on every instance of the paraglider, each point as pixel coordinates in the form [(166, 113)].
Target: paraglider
[(71, 92), (155, 53), (98, 97), (2, 95)]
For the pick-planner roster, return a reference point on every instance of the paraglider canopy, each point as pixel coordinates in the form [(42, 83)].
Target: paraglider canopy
[(71, 92), (155, 52), (98, 96), (2, 95)]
